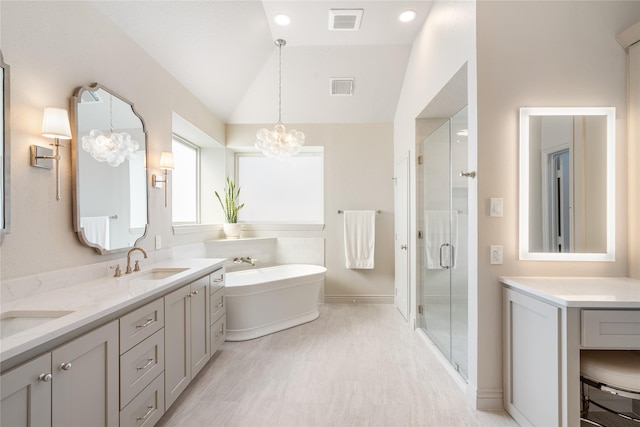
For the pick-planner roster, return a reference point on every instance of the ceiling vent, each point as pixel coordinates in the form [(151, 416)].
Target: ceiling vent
[(342, 86), (345, 19)]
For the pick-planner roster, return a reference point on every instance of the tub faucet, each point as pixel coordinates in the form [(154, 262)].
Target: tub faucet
[(135, 248), (248, 260)]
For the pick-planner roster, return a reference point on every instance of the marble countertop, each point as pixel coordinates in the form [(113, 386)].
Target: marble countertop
[(91, 303), (585, 292)]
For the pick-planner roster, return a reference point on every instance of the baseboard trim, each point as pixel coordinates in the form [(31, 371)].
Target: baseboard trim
[(358, 299), (485, 399)]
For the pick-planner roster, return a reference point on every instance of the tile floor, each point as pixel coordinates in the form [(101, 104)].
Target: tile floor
[(356, 365)]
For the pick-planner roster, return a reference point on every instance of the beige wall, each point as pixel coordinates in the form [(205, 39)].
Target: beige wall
[(534, 54), (358, 172), (53, 48), (528, 54)]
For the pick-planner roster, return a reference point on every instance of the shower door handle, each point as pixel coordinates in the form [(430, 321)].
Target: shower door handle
[(441, 264)]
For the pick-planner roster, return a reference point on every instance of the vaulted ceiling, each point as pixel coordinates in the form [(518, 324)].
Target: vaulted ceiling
[(224, 53)]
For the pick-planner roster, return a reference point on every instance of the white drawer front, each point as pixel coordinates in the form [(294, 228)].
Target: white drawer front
[(140, 324), (216, 305), (217, 280), (147, 408), (612, 329), (140, 365), (218, 334)]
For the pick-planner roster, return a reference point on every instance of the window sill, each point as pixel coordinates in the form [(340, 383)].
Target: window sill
[(201, 228), (196, 228), (283, 227)]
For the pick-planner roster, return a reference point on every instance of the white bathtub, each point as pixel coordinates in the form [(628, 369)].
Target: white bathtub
[(265, 300)]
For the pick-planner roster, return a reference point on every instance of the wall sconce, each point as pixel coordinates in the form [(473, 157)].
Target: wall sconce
[(166, 164), (55, 124)]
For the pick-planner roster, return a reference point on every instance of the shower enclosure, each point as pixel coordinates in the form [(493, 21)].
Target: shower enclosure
[(443, 238)]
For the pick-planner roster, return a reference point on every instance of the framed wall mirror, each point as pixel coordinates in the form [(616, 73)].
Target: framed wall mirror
[(567, 184), (4, 151), (109, 164)]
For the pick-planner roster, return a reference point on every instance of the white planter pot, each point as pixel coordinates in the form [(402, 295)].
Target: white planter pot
[(231, 231)]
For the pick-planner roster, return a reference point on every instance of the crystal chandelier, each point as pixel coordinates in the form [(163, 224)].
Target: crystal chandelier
[(278, 142), (113, 149)]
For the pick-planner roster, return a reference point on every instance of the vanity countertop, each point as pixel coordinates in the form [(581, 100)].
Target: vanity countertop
[(93, 302), (586, 292)]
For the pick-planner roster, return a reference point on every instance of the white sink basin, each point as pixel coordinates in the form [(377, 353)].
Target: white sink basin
[(14, 322), (159, 273)]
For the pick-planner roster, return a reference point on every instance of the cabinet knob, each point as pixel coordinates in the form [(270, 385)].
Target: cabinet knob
[(45, 378), (65, 366), (404, 247)]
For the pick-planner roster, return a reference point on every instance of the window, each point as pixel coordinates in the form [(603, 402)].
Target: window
[(185, 182), (290, 192)]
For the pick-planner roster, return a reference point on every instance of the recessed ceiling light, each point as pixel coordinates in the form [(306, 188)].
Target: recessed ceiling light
[(282, 19), (407, 16)]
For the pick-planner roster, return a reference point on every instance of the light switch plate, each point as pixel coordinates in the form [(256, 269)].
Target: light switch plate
[(495, 207)]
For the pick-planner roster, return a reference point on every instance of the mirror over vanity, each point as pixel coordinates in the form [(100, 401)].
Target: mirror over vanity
[(109, 170), (4, 150), (567, 184)]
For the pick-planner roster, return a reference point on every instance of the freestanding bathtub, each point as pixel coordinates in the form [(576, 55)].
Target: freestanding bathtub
[(265, 300)]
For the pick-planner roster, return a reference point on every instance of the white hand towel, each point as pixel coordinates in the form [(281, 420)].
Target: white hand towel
[(441, 227), (96, 230), (359, 238)]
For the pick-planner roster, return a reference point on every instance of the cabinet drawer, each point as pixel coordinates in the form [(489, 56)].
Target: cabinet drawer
[(217, 280), (147, 408), (140, 324), (140, 365), (612, 329), (218, 334), (216, 305)]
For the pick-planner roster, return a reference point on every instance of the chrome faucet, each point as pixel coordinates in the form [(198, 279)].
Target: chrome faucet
[(248, 260), (137, 268)]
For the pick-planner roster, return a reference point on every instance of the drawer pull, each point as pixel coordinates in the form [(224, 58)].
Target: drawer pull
[(219, 334), (45, 378), (145, 324), (194, 293), (146, 365), (219, 279), (65, 366), (150, 409), (220, 305)]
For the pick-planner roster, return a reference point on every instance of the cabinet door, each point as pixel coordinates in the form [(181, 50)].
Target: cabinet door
[(85, 380), (26, 394), (532, 360), (200, 325), (177, 346)]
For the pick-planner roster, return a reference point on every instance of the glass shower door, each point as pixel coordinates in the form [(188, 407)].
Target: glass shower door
[(443, 282)]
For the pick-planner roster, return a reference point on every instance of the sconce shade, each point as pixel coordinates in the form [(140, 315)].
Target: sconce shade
[(166, 160), (55, 123)]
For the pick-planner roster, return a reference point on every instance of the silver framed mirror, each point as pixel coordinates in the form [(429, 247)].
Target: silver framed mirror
[(5, 148), (109, 156), (567, 184)]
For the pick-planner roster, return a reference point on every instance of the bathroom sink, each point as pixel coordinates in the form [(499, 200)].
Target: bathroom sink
[(159, 273), (14, 322)]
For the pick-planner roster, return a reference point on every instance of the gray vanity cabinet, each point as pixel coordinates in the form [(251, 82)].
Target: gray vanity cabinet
[(75, 385), (187, 339), (85, 380), (26, 394), (217, 310)]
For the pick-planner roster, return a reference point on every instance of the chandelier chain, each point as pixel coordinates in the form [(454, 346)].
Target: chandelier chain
[(280, 82)]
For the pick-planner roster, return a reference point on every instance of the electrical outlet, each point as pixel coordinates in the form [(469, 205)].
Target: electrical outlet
[(496, 254), (158, 242)]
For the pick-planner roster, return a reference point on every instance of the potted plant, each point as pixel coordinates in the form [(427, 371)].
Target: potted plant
[(230, 207)]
